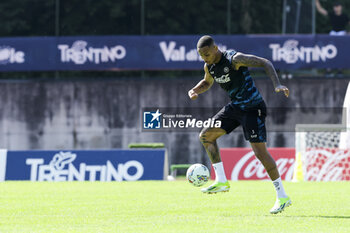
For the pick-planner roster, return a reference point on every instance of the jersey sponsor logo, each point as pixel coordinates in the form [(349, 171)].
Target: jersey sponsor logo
[(291, 53), (61, 168), (9, 55), (223, 79), (79, 53)]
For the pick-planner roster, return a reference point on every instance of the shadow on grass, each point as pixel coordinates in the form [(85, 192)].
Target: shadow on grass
[(310, 216)]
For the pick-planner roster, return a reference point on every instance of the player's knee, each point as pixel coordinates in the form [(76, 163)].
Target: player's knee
[(204, 137)]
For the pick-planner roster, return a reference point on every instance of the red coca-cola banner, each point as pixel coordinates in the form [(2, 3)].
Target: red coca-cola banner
[(325, 164), (241, 163)]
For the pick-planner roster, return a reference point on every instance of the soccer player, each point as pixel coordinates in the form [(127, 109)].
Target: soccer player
[(247, 108)]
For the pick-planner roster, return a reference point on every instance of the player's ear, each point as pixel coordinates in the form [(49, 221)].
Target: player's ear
[(215, 47)]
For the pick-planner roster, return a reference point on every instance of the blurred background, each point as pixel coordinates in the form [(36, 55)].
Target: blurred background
[(98, 107)]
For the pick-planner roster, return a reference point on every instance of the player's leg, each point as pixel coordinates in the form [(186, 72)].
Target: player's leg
[(269, 163), (265, 158), (208, 138), (282, 200), (255, 131)]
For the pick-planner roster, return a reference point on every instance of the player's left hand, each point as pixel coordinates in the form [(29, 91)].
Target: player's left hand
[(282, 88)]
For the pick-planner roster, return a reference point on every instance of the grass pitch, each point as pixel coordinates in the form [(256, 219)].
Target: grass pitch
[(161, 206)]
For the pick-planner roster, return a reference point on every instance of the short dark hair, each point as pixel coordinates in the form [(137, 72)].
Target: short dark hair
[(205, 41), (337, 4)]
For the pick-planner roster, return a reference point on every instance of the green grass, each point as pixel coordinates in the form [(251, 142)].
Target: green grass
[(152, 206)]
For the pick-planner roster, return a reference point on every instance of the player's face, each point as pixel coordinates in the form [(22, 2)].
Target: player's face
[(208, 54)]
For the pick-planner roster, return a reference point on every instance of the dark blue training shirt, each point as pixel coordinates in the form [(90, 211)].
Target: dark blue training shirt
[(238, 83)]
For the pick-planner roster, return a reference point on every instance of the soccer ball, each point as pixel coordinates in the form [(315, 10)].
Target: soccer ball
[(198, 174)]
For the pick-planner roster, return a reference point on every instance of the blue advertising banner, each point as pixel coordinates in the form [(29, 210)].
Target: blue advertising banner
[(81, 165), (166, 52)]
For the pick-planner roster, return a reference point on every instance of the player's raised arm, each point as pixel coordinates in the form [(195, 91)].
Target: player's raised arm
[(202, 86), (241, 59)]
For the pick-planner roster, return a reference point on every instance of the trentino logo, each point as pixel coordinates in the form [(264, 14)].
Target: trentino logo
[(291, 52), (79, 53), (61, 168), (152, 120)]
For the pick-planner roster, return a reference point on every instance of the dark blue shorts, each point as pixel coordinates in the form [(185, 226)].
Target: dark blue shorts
[(251, 119)]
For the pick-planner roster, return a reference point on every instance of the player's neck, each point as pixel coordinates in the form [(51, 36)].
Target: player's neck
[(218, 57)]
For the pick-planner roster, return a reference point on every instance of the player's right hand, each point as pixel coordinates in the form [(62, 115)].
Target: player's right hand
[(192, 94)]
